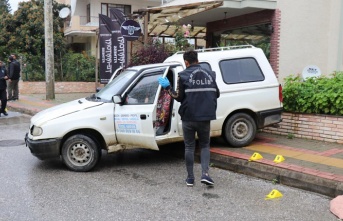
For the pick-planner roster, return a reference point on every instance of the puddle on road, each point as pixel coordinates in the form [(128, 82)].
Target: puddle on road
[(14, 118), (11, 143)]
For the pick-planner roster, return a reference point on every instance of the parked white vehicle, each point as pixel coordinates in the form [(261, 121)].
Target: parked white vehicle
[(122, 115)]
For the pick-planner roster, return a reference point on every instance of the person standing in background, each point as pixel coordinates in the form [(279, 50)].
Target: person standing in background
[(13, 75), (3, 86)]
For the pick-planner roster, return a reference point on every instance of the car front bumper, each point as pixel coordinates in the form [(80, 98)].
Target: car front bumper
[(44, 149)]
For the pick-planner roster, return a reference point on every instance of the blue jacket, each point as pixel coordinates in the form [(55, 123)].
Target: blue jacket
[(198, 92)]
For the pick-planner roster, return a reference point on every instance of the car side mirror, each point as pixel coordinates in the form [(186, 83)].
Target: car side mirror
[(98, 89), (117, 99)]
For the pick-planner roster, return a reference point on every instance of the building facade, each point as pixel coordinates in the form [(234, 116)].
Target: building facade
[(81, 26), (293, 33), (311, 33)]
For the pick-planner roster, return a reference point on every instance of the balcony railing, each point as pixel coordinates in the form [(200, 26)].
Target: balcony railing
[(81, 24), (92, 21), (166, 1)]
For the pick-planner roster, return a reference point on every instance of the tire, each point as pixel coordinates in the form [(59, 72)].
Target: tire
[(80, 153), (240, 130)]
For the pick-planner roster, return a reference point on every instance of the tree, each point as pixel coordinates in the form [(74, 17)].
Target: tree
[(5, 7), (4, 36), (23, 33), (27, 30)]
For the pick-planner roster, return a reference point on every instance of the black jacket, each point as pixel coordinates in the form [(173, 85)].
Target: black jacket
[(198, 92), (3, 73), (14, 70)]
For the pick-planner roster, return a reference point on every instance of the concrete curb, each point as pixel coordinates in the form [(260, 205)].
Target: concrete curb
[(283, 176), (23, 110)]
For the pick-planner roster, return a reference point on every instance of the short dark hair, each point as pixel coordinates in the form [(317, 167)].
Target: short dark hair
[(191, 56), (10, 58)]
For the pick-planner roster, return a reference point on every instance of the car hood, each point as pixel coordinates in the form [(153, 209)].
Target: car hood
[(62, 110)]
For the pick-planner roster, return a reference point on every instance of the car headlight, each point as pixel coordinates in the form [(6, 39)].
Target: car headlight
[(36, 131)]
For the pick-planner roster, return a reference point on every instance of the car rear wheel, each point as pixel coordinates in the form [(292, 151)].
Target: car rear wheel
[(240, 130), (80, 153)]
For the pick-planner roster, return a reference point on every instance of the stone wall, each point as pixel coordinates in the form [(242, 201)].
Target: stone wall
[(28, 87), (310, 126)]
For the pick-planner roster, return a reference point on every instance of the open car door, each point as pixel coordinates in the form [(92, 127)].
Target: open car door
[(134, 118)]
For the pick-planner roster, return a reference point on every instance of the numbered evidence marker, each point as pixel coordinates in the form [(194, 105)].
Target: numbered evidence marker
[(274, 194), (255, 156), (279, 159)]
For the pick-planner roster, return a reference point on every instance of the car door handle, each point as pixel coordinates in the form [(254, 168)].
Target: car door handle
[(143, 117)]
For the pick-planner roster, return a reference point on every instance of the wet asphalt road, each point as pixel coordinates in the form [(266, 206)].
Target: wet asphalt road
[(135, 185)]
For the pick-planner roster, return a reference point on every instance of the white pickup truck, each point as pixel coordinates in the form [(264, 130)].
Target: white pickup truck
[(123, 114)]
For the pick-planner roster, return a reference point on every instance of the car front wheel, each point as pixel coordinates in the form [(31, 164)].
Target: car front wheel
[(240, 130), (80, 153)]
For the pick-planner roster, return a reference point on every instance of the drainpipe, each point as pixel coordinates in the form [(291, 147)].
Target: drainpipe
[(146, 27), (340, 40)]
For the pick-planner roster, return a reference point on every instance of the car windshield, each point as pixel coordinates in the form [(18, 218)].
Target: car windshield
[(115, 85)]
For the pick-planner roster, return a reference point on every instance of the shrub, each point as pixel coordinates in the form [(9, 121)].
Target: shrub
[(77, 67), (153, 52), (323, 95), (33, 67), (72, 67)]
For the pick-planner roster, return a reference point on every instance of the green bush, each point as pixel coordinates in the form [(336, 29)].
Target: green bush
[(70, 67), (323, 95), (33, 67), (78, 67)]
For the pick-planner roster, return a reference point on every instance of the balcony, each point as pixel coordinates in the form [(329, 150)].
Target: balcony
[(166, 1), (79, 26)]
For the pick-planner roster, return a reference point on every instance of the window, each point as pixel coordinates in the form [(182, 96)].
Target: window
[(105, 8), (241, 71), (88, 13), (144, 91)]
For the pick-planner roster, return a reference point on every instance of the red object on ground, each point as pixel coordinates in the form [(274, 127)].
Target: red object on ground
[(336, 206)]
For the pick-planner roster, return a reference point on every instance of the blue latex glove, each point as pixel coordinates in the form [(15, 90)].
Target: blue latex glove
[(164, 82)]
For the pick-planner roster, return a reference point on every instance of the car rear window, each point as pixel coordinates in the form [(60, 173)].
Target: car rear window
[(240, 70)]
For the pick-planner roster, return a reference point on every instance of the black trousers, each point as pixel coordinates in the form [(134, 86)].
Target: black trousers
[(202, 130), (3, 98)]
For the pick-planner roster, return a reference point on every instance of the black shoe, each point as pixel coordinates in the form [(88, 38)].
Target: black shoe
[(206, 179), (190, 182), (4, 112)]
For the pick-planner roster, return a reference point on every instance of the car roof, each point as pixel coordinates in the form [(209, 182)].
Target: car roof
[(156, 65), (217, 53)]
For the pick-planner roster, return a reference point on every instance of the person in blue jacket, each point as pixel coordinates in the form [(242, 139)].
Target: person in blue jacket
[(197, 91), (3, 87)]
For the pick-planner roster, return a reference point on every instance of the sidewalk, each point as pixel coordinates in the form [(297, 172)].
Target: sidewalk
[(310, 165)]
